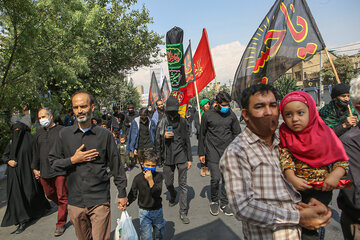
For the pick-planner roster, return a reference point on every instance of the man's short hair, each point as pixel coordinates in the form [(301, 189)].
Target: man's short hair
[(47, 110), (223, 96), (143, 111), (159, 100), (115, 108), (92, 99), (355, 90), (150, 155), (247, 92)]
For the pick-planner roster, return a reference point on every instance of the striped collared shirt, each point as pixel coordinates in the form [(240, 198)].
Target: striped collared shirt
[(258, 192)]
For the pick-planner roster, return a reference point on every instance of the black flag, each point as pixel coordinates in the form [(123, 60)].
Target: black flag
[(287, 35), (154, 92), (165, 90)]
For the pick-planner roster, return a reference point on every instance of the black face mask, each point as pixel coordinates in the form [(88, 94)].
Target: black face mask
[(341, 103), (131, 111)]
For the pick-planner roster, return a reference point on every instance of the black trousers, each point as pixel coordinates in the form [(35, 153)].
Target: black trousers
[(169, 171), (215, 177), (325, 198)]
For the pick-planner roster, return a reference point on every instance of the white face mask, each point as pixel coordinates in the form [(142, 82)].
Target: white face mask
[(45, 122)]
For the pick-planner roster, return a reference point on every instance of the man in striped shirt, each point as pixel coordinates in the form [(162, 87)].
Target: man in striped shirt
[(259, 194)]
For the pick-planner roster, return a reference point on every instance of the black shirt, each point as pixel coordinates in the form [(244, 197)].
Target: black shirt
[(43, 142), (144, 135), (217, 131), (149, 198), (88, 182)]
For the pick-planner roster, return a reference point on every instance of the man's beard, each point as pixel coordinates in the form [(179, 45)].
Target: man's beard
[(85, 118)]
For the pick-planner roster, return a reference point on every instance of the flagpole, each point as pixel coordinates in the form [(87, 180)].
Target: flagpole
[(336, 75), (198, 103), (197, 94)]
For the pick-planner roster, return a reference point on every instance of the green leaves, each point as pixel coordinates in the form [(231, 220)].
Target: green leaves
[(344, 67), (63, 46)]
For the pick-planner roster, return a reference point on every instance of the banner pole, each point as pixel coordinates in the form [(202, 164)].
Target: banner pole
[(336, 75), (198, 103)]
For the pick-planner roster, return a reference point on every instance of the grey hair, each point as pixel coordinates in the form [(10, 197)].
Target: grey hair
[(355, 90), (48, 111)]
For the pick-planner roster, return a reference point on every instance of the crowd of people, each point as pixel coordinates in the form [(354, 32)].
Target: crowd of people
[(279, 186)]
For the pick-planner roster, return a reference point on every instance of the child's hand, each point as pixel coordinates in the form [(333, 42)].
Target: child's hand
[(332, 179), (330, 183), (299, 183), (149, 177)]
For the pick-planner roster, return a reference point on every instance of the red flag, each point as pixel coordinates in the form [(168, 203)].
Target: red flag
[(203, 66)]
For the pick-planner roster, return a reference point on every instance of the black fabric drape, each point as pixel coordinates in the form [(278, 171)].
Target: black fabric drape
[(26, 199)]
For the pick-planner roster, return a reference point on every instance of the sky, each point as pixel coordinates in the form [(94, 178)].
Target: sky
[(231, 23)]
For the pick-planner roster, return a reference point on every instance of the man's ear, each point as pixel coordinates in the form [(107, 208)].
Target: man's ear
[(92, 107), (245, 114)]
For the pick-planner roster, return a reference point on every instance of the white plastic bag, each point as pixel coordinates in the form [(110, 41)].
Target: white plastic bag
[(125, 229)]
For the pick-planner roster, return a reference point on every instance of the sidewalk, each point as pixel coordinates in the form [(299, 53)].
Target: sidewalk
[(2, 172)]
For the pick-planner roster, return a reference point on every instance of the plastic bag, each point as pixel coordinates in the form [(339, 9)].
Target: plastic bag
[(125, 229)]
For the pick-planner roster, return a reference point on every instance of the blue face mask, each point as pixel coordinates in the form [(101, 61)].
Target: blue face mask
[(152, 170), (224, 109)]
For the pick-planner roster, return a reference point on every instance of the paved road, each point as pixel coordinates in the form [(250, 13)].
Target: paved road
[(202, 226)]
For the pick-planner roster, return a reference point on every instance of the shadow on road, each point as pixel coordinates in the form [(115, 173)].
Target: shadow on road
[(213, 230), (205, 192)]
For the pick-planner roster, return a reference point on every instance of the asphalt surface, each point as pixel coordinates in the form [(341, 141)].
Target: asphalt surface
[(202, 226)]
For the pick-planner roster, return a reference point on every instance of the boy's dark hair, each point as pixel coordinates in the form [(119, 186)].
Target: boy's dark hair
[(117, 133), (104, 122), (92, 99), (122, 136), (245, 95), (150, 155), (143, 111), (223, 97)]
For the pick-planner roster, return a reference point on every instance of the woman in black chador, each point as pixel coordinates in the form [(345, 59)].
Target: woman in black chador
[(26, 199)]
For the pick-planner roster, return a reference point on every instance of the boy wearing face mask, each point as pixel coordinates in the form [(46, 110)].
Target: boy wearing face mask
[(54, 183), (219, 127), (148, 186), (336, 113)]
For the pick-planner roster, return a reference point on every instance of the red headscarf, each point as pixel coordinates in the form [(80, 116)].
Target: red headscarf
[(316, 145)]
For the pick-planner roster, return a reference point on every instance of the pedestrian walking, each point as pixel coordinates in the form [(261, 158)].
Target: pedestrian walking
[(172, 143), (53, 183)]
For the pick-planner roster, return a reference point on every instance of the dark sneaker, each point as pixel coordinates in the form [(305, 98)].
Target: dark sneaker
[(59, 231), (226, 210), (214, 208), (184, 218)]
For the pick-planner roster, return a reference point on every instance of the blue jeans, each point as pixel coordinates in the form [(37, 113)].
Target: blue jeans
[(150, 219)]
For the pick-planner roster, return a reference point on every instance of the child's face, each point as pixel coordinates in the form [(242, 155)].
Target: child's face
[(296, 115), (149, 164), (122, 140)]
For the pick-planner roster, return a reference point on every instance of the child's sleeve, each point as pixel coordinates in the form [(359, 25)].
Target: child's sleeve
[(157, 188), (286, 159), (343, 164), (133, 192)]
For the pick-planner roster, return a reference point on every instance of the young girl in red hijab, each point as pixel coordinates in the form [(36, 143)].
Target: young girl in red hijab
[(309, 150)]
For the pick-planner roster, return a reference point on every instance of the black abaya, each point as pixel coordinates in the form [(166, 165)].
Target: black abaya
[(26, 199)]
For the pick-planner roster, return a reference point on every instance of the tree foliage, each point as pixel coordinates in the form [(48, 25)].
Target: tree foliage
[(51, 48), (344, 67), (59, 46), (285, 85)]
